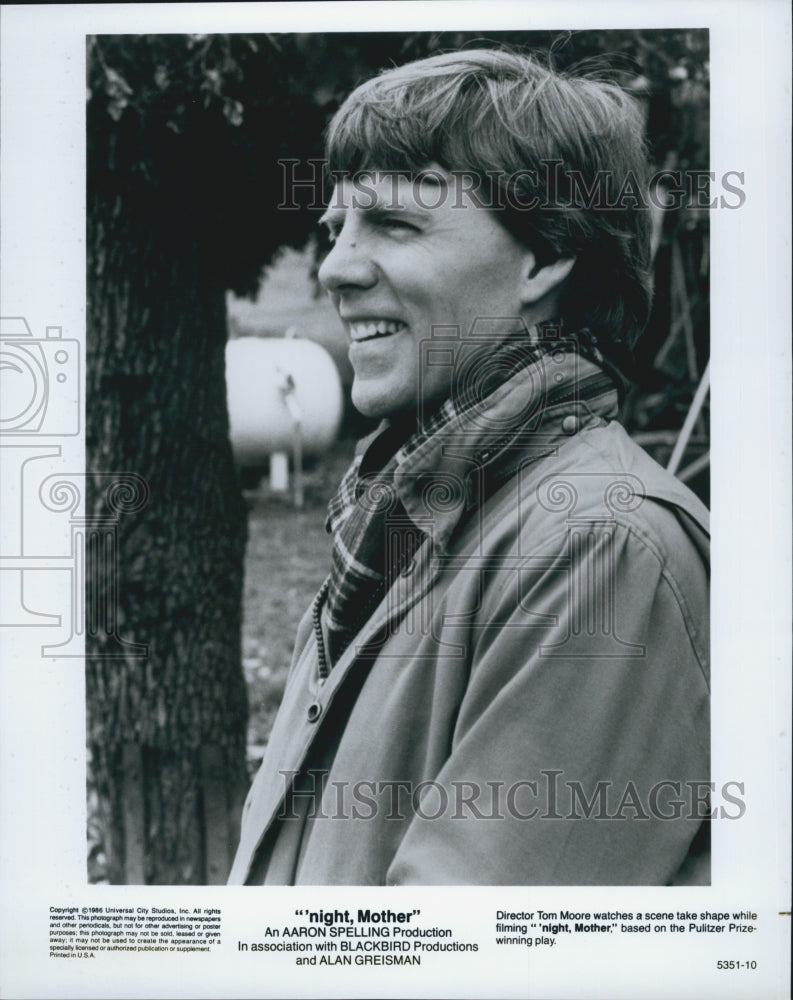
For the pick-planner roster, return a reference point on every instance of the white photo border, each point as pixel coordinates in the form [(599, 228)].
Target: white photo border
[(42, 712)]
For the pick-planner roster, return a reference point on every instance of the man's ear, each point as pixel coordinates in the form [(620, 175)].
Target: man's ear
[(541, 281)]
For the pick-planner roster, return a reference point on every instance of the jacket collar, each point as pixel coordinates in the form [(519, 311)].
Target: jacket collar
[(526, 418)]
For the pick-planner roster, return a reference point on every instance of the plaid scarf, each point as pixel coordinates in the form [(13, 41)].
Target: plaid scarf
[(373, 537)]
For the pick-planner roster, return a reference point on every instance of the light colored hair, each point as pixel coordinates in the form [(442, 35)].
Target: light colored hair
[(530, 135)]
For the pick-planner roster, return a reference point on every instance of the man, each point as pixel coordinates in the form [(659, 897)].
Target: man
[(504, 678)]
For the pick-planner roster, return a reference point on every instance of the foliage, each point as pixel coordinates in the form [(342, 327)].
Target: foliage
[(195, 124), (668, 67), (185, 134), (189, 129)]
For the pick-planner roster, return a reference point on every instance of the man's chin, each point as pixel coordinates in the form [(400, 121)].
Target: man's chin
[(379, 405)]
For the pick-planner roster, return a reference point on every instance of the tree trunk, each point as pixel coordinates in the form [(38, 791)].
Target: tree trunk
[(165, 538)]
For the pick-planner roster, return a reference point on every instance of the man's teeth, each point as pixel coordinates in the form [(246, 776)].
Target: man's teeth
[(383, 327)]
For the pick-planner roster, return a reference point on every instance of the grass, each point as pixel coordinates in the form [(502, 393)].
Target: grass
[(288, 553), (288, 557)]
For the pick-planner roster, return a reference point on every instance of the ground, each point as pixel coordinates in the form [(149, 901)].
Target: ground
[(288, 553), (288, 557)]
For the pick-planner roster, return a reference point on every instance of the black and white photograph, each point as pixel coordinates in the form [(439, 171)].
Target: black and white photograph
[(361, 462), (501, 671)]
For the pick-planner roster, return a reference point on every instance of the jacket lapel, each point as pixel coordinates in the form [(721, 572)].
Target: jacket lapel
[(294, 733), (459, 455)]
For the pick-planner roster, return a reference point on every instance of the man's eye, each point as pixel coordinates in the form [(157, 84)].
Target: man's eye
[(398, 223)]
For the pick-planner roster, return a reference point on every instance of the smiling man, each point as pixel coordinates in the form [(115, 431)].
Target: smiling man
[(409, 255), (504, 678)]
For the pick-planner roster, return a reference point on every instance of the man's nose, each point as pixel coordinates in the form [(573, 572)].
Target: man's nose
[(347, 265)]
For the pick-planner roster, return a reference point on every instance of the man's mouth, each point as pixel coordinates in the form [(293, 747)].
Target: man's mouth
[(375, 328)]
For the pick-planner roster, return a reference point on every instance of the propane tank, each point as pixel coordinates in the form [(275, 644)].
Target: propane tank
[(276, 388)]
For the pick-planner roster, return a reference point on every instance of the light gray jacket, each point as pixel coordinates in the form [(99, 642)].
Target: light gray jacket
[(535, 716)]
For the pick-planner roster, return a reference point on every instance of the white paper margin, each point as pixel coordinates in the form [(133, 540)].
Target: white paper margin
[(42, 781)]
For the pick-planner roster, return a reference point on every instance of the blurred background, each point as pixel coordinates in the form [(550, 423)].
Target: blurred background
[(194, 271)]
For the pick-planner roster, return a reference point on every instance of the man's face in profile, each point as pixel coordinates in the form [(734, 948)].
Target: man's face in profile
[(409, 254)]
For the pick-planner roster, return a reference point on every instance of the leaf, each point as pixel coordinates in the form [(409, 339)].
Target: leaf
[(116, 108), (161, 78), (115, 82), (233, 110)]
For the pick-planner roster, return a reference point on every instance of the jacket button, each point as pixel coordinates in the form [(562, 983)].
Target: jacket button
[(314, 711), (570, 424)]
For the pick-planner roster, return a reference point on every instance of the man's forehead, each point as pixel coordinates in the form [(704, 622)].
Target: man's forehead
[(384, 189)]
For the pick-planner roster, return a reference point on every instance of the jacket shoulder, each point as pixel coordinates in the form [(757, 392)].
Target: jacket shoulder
[(599, 494), (601, 473)]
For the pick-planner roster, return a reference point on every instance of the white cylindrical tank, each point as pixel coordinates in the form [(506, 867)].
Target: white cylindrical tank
[(272, 382)]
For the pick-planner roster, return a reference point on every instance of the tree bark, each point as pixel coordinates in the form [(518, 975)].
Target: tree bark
[(165, 728)]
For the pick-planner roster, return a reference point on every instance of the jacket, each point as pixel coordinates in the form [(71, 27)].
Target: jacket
[(529, 703)]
